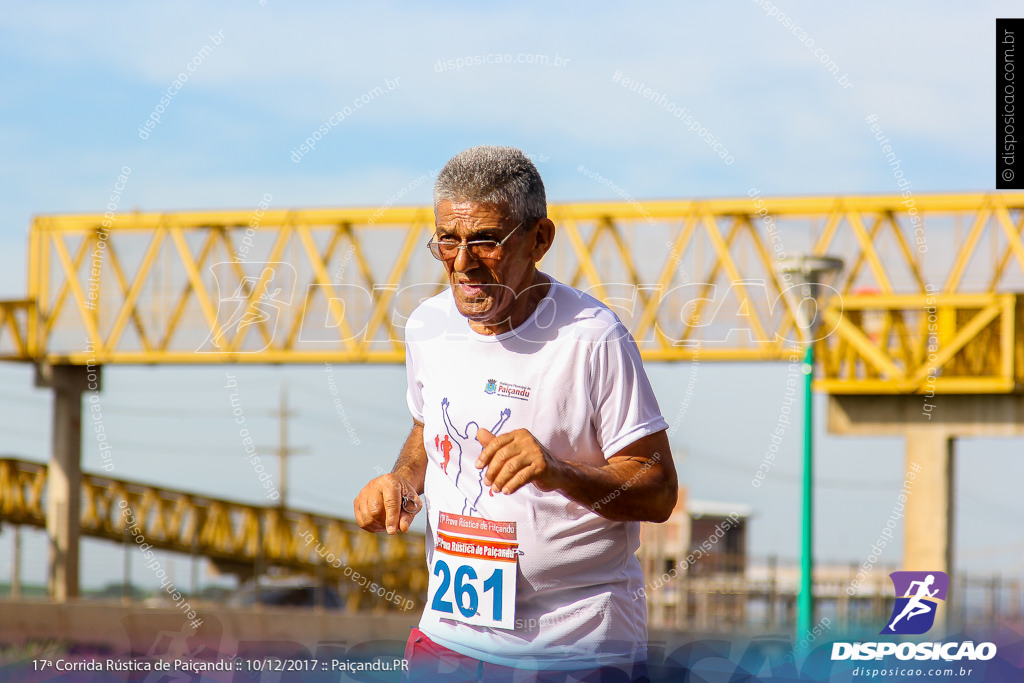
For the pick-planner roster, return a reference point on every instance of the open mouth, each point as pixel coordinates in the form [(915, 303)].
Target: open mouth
[(471, 289)]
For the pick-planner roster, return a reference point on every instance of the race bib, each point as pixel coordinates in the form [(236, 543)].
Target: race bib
[(473, 579)]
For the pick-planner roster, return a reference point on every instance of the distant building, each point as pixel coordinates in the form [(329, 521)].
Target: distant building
[(690, 560)]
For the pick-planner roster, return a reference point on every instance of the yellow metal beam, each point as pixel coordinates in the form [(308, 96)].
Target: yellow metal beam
[(226, 531), (699, 270), (969, 344)]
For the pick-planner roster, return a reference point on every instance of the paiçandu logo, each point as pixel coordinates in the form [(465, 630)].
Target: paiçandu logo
[(917, 596), (492, 386)]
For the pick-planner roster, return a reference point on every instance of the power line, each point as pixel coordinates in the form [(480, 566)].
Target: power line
[(145, 411), (778, 473), (21, 400), (330, 504), (978, 499)]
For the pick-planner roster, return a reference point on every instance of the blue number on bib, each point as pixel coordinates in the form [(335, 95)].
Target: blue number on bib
[(462, 588), (466, 597), (494, 583), (439, 604)]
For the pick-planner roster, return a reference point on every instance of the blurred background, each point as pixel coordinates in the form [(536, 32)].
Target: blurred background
[(354, 109)]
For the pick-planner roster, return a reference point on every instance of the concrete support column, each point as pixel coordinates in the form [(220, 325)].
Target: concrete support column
[(64, 477), (928, 527), (930, 425)]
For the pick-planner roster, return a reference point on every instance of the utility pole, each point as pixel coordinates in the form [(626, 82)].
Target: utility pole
[(16, 564), (283, 450)]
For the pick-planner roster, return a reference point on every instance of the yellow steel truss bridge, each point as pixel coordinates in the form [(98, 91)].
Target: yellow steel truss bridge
[(245, 539), (688, 277)]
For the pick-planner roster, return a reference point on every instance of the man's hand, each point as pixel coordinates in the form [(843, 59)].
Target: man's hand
[(515, 459), (378, 506), (636, 484)]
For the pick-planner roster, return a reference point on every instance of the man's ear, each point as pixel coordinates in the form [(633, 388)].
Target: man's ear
[(543, 238)]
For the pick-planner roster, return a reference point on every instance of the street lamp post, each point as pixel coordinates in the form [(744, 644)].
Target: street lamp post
[(806, 276)]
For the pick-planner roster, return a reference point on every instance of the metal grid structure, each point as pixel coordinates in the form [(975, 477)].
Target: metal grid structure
[(238, 536), (688, 278)]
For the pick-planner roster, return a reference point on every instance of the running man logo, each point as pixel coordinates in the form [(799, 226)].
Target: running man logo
[(918, 593), (249, 306)]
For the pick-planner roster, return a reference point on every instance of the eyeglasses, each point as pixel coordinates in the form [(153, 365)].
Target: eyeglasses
[(447, 248)]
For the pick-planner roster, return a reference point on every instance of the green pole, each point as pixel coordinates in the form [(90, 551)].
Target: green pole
[(805, 599)]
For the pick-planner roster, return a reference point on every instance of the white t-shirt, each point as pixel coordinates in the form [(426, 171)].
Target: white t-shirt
[(571, 374)]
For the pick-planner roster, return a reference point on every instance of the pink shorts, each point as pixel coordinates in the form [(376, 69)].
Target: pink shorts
[(430, 662)]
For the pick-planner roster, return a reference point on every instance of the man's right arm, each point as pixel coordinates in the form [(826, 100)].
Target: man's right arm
[(378, 507), (412, 461)]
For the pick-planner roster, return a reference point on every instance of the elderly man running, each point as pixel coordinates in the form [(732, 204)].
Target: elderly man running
[(538, 394)]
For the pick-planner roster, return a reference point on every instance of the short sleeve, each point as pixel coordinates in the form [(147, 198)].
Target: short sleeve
[(414, 392), (625, 409)]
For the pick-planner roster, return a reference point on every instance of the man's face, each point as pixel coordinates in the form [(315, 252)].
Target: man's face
[(485, 289)]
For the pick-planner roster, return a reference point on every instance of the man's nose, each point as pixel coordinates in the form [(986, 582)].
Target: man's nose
[(463, 260)]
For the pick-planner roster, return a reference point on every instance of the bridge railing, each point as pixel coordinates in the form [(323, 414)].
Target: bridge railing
[(242, 538)]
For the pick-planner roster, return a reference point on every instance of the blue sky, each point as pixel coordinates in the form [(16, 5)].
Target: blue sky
[(77, 81)]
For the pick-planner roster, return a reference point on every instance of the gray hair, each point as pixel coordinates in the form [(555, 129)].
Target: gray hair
[(494, 175)]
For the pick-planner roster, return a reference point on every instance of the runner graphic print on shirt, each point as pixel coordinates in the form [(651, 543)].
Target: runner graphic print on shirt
[(466, 444), (445, 446)]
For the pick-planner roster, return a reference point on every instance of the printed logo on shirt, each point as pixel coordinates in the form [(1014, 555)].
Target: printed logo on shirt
[(466, 448), (508, 390)]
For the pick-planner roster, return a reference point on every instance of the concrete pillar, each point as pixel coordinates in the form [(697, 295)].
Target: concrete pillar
[(928, 526), (64, 476), (929, 425), (930, 511)]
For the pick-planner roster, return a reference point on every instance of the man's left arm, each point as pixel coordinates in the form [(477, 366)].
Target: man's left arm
[(636, 484)]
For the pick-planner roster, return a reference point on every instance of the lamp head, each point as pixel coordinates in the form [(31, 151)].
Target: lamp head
[(803, 280)]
